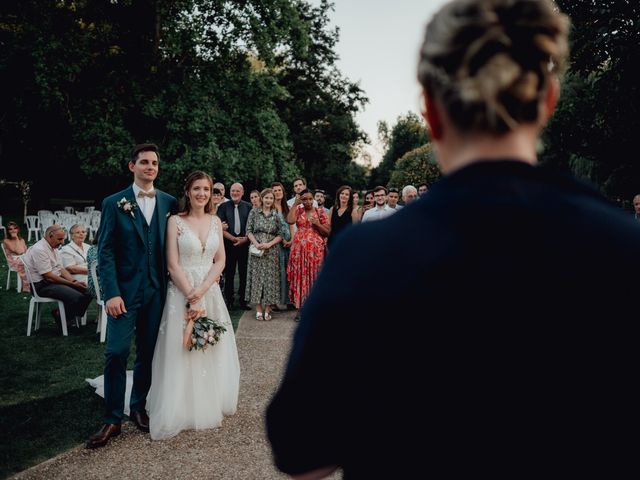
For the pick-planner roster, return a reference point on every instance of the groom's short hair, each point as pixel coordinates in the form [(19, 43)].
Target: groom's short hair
[(143, 147)]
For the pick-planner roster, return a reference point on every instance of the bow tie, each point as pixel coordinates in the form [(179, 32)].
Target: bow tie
[(150, 194)]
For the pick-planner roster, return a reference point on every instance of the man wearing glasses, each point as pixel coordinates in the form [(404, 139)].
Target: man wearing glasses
[(381, 209)]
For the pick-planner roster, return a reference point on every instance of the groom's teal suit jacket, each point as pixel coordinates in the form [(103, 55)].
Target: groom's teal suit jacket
[(121, 248)]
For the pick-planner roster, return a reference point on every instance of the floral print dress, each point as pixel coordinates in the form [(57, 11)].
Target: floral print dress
[(263, 273), (307, 253)]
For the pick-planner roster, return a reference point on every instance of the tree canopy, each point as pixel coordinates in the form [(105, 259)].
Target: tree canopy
[(408, 133), (242, 90), (415, 167), (594, 129)]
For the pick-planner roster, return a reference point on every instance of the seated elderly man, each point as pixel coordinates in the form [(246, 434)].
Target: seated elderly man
[(51, 279), (74, 254)]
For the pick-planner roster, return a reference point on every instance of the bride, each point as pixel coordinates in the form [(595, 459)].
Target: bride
[(193, 389)]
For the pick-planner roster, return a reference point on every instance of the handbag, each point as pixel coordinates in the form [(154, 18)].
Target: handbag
[(255, 251)]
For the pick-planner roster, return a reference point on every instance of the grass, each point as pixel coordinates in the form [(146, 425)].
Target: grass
[(46, 406)]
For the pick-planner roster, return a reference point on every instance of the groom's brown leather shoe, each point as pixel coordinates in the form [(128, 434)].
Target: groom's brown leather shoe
[(102, 436), (141, 419)]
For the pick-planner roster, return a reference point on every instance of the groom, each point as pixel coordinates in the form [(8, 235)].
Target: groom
[(133, 277)]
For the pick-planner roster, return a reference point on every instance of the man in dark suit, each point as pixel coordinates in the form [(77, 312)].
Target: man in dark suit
[(236, 244), (509, 348), (133, 277)]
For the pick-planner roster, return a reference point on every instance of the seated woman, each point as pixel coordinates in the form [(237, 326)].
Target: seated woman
[(74, 254), (14, 246), (308, 247)]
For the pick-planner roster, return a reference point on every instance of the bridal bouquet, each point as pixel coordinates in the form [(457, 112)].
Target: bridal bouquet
[(202, 332)]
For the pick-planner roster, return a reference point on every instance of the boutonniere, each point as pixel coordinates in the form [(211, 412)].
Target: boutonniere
[(127, 206), (168, 214)]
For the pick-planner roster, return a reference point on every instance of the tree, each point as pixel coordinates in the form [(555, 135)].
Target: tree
[(415, 167), (594, 129), (243, 90), (407, 134), (320, 104)]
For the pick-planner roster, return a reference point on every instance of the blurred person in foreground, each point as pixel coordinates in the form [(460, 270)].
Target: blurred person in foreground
[(510, 345)]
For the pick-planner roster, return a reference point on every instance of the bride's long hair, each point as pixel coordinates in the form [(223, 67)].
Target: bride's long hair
[(190, 180)]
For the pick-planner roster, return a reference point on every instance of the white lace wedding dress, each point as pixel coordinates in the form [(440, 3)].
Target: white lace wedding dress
[(189, 390), (192, 389)]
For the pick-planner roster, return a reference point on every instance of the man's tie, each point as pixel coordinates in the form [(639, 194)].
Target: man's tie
[(236, 220), (150, 194)]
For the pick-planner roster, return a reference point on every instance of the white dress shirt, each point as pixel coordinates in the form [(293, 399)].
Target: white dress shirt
[(146, 204), (41, 258), (377, 213)]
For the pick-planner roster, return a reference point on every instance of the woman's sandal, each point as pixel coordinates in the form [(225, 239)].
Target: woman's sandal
[(267, 316), (259, 316)]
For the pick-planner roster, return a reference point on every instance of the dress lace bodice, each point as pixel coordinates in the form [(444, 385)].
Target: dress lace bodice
[(196, 258), (194, 254)]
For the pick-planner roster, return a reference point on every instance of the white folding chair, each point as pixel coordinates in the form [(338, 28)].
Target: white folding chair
[(102, 320), (89, 209), (94, 225), (70, 210), (34, 306), (11, 269), (33, 225), (2, 227), (45, 222)]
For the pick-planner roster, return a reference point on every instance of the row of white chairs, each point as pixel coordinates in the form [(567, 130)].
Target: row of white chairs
[(38, 224)]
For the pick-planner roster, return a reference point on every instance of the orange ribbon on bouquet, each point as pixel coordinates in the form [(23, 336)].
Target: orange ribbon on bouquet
[(187, 341)]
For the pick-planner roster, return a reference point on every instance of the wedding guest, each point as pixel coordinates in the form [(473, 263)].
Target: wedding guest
[(308, 247), (220, 186), (381, 209), (216, 199), (422, 189), (254, 196), (320, 197), (356, 198), (519, 291), (392, 199), (367, 204), (74, 254), (343, 213), (51, 279), (14, 246), (263, 277), (235, 214), (284, 247), (636, 206), (409, 194), (299, 184)]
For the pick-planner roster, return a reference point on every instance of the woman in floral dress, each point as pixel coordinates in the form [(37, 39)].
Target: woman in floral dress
[(284, 247), (308, 247), (263, 272)]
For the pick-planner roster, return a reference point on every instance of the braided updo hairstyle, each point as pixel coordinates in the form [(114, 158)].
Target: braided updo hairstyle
[(488, 61)]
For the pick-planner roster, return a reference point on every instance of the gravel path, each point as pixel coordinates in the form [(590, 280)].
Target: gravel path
[(237, 450)]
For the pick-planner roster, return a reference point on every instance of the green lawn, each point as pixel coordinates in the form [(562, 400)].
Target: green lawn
[(46, 407)]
